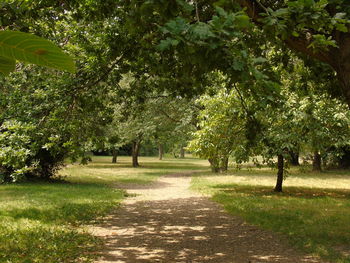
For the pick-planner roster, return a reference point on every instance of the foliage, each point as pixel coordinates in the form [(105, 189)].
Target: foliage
[(147, 116), (15, 45), (221, 128)]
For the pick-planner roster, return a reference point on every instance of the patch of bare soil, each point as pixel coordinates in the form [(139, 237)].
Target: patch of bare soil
[(166, 222)]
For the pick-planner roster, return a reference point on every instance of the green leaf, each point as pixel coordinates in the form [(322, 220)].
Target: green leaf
[(281, 12), (202, 31), (259, 60), (341, 27), (295, 34), (15, 45), (186, 6), (167, 43), (7, 65), (242, 21)]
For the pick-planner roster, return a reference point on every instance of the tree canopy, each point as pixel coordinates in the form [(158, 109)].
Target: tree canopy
[(257, 77)]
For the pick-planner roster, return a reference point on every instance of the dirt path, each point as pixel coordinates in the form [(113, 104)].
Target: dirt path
[(166, 222)]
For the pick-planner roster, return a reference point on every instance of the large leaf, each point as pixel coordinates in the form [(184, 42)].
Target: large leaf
[(15, 45), (7, 65)]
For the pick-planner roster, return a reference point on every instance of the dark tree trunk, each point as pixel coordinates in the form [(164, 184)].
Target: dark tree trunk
[(6, 173), (182, 153), (280, 167), (115, 155), (160, 151), (316, 162), (342, 58), (224, 164), (135, 153), (294, 158), (344, 160)]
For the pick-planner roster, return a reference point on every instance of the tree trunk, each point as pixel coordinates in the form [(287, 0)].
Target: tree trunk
[(160, 151), (214, 165), (294, 158), (224, 164), (316, 162), (135, 153), (280, 166), (182, 152), (6, 178), (343, 66), (344, 160), (115, 155)]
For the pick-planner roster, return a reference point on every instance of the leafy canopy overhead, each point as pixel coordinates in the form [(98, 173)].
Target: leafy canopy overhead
[(15, 45)]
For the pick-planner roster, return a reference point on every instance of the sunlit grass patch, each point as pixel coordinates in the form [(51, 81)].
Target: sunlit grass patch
[(313, 212)]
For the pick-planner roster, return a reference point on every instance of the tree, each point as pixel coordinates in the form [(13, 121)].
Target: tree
[(325, 125), (221, 128), (175, 119), (281, 134), (194, 38), (54, 115), (318, 29)]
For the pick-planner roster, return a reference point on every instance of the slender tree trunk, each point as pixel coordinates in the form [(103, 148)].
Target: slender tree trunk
[(160, 151), (182, 152), (280, 167), (135, 153), (316, 162), (294, 158), (115, 155)]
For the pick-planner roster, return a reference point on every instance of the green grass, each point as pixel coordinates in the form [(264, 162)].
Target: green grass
[(41, 222), (44, 222), (102, 171), (313, 212)]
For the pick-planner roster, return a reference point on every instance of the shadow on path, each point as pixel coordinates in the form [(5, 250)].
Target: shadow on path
[(173, 224)]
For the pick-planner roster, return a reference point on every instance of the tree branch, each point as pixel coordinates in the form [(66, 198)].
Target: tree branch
[(254, 9)]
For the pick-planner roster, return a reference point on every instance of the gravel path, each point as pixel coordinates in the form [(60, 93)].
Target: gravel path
[(166, 222)]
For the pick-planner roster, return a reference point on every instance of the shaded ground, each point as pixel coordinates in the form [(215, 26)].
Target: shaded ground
[(166, 222)]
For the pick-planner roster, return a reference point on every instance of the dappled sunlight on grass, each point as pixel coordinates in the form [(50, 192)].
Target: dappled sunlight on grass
[(313, 211), (267, 177), (101, 170), (39, 222), (42, 222)]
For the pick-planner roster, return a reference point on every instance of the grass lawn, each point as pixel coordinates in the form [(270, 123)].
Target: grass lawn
[(313, 212), (44, 222)]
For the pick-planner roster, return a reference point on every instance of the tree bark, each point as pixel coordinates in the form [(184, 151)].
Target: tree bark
[(135, 153), (344, 160), (214, 165), (182, 152), (280, 167), (115, 155), (160, 151), (294, 158), (224, 164), (316, 162)]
